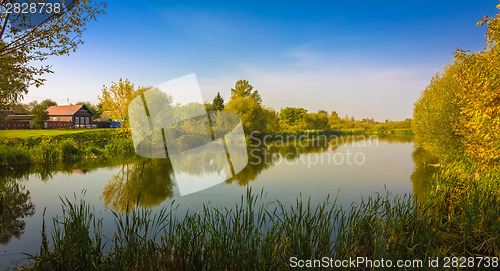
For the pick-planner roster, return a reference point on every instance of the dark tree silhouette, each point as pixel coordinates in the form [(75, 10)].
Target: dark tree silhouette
[(15, 204)]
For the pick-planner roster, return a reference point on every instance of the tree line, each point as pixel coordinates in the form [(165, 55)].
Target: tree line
[(247, 102), (244, 100)]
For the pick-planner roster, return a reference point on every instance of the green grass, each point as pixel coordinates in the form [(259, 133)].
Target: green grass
[(469, 205), (45, 132), (14, 155), (63, 145)]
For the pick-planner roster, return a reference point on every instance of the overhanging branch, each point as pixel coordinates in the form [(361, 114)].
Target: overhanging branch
[(4, 25)]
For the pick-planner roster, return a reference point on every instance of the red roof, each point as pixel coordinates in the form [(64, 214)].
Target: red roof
[(65, 110)]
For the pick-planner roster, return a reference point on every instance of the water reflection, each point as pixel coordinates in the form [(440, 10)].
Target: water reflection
[(47, 172), (150, 180), (146, 181), (15, 205), (422, 173)]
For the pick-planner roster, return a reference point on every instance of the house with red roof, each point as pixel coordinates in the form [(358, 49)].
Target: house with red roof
[(69, 116)]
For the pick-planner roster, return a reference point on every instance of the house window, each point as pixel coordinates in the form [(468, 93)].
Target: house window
[(77, 120), (82, 120), (86, 120)]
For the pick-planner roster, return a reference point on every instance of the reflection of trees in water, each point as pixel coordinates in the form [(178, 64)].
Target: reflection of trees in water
[(22, 172), (46, 172), (396, 139), (147, 181), (255, 165), (15, 200), (422, 173), (150, 179), (262, 158), (15, 205)]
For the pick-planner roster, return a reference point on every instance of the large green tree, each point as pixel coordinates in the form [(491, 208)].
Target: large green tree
[(272, 120), (40, 115), (291, 117), (243, 89), (24, 44), (253, 116), (315, 121), (16, 75), (20, 108), (246, 102)]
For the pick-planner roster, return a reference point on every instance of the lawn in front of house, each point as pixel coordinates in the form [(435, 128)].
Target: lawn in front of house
[(44, 132)]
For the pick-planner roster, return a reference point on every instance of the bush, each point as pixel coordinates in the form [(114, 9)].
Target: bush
[(14, 155), (50, 149), (46, 152), (68, 149), (119, 146)]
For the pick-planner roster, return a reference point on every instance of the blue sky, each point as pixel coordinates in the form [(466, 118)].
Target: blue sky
[(361, 58)]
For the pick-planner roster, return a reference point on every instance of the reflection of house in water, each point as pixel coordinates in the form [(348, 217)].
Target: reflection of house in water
[(79, 171)]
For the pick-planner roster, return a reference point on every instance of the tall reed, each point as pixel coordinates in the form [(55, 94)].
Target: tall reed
[(258, 234)]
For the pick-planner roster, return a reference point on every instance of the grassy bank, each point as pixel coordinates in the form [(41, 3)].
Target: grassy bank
[(26, 133), (258, 234), (44, 147), (24, 147), (469, 203)]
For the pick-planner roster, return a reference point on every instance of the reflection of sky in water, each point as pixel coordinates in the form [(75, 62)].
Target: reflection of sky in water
[(384, 164), (388, 164)]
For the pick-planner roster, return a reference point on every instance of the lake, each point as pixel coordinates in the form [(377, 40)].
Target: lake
[(346, 168)]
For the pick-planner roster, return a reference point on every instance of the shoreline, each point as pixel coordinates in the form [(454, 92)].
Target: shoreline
[(73, 145)]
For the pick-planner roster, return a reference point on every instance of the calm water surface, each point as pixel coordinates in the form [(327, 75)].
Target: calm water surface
[(347, 170)]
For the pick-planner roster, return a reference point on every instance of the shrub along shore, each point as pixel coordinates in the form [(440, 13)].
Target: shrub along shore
[(64, 146)]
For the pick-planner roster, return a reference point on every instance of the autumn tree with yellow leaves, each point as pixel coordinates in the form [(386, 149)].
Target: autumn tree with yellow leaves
[(117, 97), (464, 104), (479, 97)]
